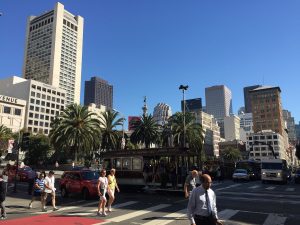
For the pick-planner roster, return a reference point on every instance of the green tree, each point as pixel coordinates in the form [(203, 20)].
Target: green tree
[(76, 131), (39, 149), (5, 135), (194, 134), (231, 154), (111, 137), (146, 131)]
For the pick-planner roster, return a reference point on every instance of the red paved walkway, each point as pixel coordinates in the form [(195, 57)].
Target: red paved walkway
[(48, 219)]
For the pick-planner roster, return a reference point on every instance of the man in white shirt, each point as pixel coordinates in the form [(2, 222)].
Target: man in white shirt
[(50, 189), (202, 208)]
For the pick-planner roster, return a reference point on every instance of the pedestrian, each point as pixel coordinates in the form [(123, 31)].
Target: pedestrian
[(102, 186), (219, 175), (32, 176), (49, 189), (190, 183), (56, 165), (146, 173), (2, 198), (202, 208), (73, 165), (112, 186), (38, 190)]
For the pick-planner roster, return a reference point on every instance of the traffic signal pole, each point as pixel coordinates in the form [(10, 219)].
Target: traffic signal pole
[(17, 166)]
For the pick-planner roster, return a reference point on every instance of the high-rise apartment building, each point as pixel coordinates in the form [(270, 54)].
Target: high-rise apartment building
[(297, 129), (290, 125), (162, 112), (246, 125), (267, 109), (192, 105), (218, 101), (232, 128), (247, 99), (98, 91), (53, 51), (44, 102)]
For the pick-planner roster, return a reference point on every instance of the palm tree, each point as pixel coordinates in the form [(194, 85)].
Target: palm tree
[(76, 130), (194, 133), (146, 131), (111, 138), (4, 131)]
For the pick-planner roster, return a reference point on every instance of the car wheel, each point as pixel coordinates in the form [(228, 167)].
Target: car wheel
[(85, 194), (64, 192)]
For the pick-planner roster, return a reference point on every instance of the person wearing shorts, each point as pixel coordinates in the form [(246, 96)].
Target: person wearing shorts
[(112, 186), (38, 190), (102, 189), (49, 189)]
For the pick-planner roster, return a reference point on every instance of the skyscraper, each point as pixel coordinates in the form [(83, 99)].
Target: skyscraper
[(191, 105), (267, 109), (98, 91), (247, 100), (161, 113), (53, 51), (218, 101)]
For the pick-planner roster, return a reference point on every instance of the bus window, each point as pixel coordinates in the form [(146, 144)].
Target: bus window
[(136, 164), (117, 163), (126, 164)]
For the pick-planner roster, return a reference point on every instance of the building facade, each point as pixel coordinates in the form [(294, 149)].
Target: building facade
[(44, 102), (211, 131), (162, 112), (218, 101), (258, 145), (98, 91), (290, 125), (191, 105), (232, 128), (297, 129), (246, 125), (12, 112), (247, 98), (267, 109), (53, 51)]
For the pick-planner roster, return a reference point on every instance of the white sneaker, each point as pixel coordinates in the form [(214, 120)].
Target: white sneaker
[(99, 214), (30, 206), (109, 209), (104, 214)]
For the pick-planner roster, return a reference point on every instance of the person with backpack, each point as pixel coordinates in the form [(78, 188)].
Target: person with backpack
[(38, 189)]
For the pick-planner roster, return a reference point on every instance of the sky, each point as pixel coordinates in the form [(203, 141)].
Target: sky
[(151, 47)]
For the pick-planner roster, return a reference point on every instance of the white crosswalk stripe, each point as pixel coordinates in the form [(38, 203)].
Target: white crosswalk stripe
[(167, 218), (274, 219), (270, 188), (230, 186), (290, 189), (254, 187), (227, 214)]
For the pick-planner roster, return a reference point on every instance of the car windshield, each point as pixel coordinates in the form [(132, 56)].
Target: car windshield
[(90, 175), (240, 171), (272, 166)]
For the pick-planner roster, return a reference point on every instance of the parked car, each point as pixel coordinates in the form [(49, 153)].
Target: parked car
[(23, 173), (241, 174), (297, 176), (79, 182)]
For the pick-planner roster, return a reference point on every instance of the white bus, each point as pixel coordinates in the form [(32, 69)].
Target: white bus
[(274, 170)]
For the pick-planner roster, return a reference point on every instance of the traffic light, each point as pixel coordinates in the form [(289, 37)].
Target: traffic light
[(25, 141)]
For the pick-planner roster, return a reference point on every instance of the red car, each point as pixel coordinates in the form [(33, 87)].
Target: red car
[(24, 173), (79, 182)]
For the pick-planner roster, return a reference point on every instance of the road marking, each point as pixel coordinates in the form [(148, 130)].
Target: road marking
[(227, 214), (230, 186), (290, 189), (167, 218), (254, 187), (274, 219), (270, 188), (92, 211), (138, 213)]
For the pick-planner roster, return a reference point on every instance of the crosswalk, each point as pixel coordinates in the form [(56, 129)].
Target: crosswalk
[(249, 186), (165, 214)]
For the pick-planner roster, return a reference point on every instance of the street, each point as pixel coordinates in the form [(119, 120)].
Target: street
[(238, 203)]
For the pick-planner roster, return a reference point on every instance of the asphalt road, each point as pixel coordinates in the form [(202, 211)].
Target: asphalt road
[(238, 204)]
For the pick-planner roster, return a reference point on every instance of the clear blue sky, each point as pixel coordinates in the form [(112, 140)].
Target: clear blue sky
[(150, 47)]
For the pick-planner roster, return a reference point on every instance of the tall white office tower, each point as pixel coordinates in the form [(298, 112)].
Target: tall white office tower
[(53, 50), (162, 112)]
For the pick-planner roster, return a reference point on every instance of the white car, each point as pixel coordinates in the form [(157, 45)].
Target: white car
[(240, 174)]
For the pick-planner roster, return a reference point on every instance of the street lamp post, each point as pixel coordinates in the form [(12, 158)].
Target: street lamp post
[(183, 88), (123, 132)]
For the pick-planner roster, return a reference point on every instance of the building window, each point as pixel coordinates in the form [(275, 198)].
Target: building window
[(6, 109), (35, 130), (31, 115), (36, 123), (18, 112), (36, 116)]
